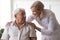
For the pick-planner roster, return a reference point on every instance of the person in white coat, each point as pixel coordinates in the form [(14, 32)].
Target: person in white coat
[(46, 18)]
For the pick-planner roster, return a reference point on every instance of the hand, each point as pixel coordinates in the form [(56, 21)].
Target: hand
[(32, 24), (39, 29)]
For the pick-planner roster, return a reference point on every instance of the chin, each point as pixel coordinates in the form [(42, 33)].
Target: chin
[(22, 22), (36, 16)]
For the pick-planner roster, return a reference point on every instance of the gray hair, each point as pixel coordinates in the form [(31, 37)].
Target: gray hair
[(18, 10), (38, 5)]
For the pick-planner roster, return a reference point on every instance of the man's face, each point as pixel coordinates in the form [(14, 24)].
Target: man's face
[(36, 12), (20, 17)]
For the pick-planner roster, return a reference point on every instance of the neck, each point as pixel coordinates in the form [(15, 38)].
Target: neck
[(18, 24), (39, 14)]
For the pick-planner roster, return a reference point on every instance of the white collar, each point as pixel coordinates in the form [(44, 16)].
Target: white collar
[(16, 24)]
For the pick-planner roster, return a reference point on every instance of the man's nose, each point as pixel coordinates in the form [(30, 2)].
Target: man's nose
[(22, 17)]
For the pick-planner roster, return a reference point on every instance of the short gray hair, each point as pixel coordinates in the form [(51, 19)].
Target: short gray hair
[(18, 10), (38, 5)]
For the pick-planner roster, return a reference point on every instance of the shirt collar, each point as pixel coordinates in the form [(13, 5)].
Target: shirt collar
[(14, 24)]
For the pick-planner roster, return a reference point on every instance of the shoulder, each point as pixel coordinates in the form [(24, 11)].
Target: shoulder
[(8, 24), (49, 12), (30, 25)]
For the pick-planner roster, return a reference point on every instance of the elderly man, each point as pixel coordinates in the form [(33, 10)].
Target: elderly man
[(19, 29)]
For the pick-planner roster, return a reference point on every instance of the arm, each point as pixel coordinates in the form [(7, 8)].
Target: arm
[(33, 38), (30, 18), (51, 25), (34, 26), (5, 35), (32, 34), (39, 29)]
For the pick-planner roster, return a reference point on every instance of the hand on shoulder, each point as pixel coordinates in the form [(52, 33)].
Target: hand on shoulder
[(32, 25)]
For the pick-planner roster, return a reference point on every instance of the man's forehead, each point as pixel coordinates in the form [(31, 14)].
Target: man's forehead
[(21, 12)]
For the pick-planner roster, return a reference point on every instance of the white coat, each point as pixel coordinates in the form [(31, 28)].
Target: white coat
[(51, 28)]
